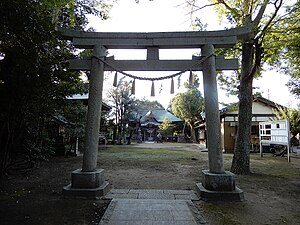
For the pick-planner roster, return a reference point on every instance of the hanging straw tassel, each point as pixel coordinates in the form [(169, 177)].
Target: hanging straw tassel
[(179, 81), (191, 79), (115, 80), (172, 86), (152, 89), (133, 87)]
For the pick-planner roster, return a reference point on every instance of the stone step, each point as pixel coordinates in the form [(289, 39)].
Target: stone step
[(152, 194)]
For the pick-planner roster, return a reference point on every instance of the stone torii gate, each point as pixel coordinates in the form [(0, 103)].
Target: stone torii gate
[(216, 182)]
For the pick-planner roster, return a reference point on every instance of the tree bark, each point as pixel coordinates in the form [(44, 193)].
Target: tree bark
[(241, 157), (193, 134)]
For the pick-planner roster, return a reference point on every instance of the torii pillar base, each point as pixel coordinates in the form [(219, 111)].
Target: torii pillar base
[(219, 187), (87, 184)]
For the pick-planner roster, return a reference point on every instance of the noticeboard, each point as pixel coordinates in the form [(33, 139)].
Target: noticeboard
[(275, 132)]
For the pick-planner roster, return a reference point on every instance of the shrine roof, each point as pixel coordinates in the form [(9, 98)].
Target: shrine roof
[(159, 115)]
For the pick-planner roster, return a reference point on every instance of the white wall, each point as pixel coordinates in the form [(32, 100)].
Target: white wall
[(257, 108)]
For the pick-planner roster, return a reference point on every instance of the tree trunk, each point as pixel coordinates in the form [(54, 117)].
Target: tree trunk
[(193, 134), (119, 134), (241, 157), (4, 148)]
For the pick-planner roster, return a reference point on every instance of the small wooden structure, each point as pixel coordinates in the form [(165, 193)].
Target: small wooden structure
[(262, 111)]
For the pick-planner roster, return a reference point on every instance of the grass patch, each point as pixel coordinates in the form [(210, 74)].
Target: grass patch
[(266, 166), (273, 166), (158, 155)]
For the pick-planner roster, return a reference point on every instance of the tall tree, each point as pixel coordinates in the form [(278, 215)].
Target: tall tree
[(189, 105), (34, 75), (284, 39), (251, 50), (123, 103), (147, 104)]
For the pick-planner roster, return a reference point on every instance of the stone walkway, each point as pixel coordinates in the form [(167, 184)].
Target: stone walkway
[(151, 207)]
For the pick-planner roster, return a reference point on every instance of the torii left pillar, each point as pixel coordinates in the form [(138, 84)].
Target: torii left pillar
[(89, 181)]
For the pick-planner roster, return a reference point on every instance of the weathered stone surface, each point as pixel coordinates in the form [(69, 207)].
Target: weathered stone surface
[(207, 195), (119, 195), (98, 192), (146, 191), (94, 111), (218, 182), (221, 38), (119, 191), (161, 42), (82, 179), (212, 114), (151, 211), (154, 65), (87, 184), (152, 194)]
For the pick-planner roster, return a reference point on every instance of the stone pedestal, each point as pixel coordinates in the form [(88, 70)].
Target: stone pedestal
[(87, 184), (219, 187)]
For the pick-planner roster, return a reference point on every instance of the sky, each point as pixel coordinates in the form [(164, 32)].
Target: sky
[(168, 16)]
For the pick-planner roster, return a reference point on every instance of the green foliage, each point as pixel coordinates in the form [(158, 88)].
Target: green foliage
[(198, 25), (188, 106), (166, 127), (251, 51), (123, 103), (34, 73), (292, 115), (274, 37), (147, 104), (193, 82), (232, 106), (75, 114), (283, 44), (72, 13)]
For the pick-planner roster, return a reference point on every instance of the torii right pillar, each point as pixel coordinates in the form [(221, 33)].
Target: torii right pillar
[(217, 184)]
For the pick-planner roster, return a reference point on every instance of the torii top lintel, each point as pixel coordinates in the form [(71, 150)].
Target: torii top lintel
[(189, 39)]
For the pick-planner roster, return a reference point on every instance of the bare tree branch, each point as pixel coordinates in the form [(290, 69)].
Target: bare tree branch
[(259, 50), (260, 13), (277, 7), (226, 5), (195, 8), (234, 11)]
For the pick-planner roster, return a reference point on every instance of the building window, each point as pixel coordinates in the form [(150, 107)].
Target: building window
[(254, 130)]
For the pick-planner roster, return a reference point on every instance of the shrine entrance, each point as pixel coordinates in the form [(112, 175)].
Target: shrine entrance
[(216, 182)]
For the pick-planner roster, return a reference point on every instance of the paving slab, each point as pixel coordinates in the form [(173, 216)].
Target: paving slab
[(149, 195), (151, 207), (150, 211), (152, 194)]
